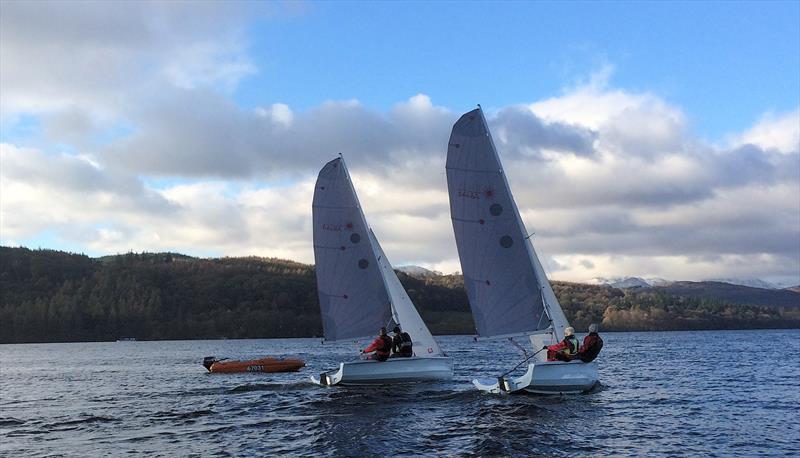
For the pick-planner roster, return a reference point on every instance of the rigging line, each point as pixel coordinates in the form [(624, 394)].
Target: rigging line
[(541, 315), (524, 351), (521, 363)]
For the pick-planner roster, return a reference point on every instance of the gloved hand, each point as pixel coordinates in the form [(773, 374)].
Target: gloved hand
[(544, 348)]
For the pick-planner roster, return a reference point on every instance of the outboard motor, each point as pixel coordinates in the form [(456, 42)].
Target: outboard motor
[(208, 361)]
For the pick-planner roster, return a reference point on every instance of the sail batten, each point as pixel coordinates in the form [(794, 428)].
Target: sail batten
[(507, 289)]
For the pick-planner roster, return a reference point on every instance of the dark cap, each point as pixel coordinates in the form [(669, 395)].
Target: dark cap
[(396, 330)]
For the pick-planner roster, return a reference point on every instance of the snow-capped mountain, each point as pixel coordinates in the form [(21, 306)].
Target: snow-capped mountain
[(658, 281), (640, 282), (621, 282), (419, 272)]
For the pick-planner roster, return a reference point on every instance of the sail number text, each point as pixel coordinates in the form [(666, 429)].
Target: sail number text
[(469, 194)]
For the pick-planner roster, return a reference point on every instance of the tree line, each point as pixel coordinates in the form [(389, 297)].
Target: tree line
[(53, 296)]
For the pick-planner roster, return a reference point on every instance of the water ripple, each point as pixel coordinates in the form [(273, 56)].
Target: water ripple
[(677, 394)]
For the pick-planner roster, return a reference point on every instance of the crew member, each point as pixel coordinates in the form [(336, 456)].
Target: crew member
[(592, 344), (401, 344), (381, 347), (564, 350)]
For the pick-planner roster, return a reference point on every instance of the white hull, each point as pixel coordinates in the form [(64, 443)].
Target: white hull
[(394, 370), (552, 377)]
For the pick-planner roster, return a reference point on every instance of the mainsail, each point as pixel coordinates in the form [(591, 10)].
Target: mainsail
[(507, 288), (359, 291), (352, 293)]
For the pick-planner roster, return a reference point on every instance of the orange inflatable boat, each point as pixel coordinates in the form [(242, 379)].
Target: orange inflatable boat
[(222, 366)]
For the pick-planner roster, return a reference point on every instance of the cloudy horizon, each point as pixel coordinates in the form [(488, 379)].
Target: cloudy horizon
[(144, 127)]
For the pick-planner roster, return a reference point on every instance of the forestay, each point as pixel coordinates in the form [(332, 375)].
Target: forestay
[(352, 292), (504, 281), (405, 312)]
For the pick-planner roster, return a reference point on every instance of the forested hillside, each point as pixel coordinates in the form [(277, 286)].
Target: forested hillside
[(49, 296)]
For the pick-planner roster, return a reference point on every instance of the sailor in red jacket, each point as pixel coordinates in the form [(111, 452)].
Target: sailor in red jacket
[(592, 344), (564, 350), (382, 347)]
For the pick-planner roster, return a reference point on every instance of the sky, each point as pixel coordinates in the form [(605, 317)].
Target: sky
[(652, 139)]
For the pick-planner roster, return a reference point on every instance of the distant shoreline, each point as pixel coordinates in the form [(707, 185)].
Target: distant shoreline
[(317, 339), (49, 296)]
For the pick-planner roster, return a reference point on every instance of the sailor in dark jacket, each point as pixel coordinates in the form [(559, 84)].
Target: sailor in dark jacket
[(401, 344), (592, 344)]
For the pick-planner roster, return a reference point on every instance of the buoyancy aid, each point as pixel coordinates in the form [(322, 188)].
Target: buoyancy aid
[(383, 352), (563, 350), (402, 345), (572, 345), (592, 344)]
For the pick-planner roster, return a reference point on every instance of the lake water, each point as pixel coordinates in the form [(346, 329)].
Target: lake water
[(726, 393)]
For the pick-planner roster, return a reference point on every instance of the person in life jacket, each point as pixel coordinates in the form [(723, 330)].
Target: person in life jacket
[(564, 350), (381, 347), (592, 344), (402, 345)]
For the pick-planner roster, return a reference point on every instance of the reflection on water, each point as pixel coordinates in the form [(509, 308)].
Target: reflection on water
[(662, 394)]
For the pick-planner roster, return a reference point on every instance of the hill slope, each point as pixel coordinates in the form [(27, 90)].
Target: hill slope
[(736, 294), (48, 295)]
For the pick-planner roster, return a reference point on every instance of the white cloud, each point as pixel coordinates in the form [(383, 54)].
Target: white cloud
[(102, 56), (278, 113), (773, 131), (207, 64), (698, 212), (612, 181)]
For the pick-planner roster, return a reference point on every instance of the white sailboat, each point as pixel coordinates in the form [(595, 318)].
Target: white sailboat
[(359, 291), (508, 291)]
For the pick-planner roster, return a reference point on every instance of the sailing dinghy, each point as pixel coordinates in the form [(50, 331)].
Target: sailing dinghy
[(508, 291), (359, 291)]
